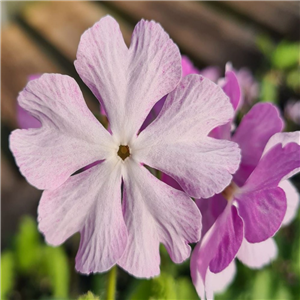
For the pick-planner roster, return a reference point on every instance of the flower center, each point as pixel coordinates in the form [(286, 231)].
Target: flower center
[(123, 151), (229, 191)]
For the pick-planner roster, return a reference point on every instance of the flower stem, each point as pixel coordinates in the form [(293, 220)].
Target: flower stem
[(111, 283)]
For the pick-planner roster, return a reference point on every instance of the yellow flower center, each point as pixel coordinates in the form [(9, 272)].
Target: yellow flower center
[(229, 191), (123, 151)]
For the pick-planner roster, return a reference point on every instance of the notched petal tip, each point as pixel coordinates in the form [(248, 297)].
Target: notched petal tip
[(120, 77), (70, 136), (174, 222)]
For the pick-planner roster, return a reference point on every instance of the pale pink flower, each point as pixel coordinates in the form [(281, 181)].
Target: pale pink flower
[(124, 229), (292, 111), (211, 72)]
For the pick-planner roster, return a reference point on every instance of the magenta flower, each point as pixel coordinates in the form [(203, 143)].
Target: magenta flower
[(249, 86), (211, 72), (241, 220), (124, 229)]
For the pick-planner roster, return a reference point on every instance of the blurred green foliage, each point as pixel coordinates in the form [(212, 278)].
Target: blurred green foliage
[(281, 69), (27, 246), (32, 269), (88, 296), (286, 55), (7, 273), (165, 287)]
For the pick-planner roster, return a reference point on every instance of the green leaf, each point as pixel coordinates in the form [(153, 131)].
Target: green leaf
[(262, 285), (142, 290), (296, 256), (58, 271), (282, 293), (286, 55), (7, 273), (27, 245), (269, 91), (293, 80), (185, 289), (162, 288), (265, 45), (88, 296)]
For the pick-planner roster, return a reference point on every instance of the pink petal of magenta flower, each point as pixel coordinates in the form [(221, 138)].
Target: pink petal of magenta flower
[(257, 255), (284, 139), (262, 204), (211, 72), (188, 67), (217, 249), (231, 88), (214, 282), (260, 254), (127, 83), (249, 86), (252, 135), (24, 118), (292, 198), (211, 209)]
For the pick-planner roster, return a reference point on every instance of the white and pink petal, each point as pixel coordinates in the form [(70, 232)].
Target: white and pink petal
[(217, 283), (257, 255), (128, 82), (89, 203), (70, 136), (216, 251), (179, 134), (155, 213)]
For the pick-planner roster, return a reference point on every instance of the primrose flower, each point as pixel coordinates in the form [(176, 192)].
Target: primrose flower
[(124, 226), (211, 72), (249, 86), (188, 68), (241, 220)]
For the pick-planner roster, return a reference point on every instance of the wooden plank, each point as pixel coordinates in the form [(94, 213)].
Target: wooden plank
[(201, 32), (280, 16), (62, 23), (21, 58)]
